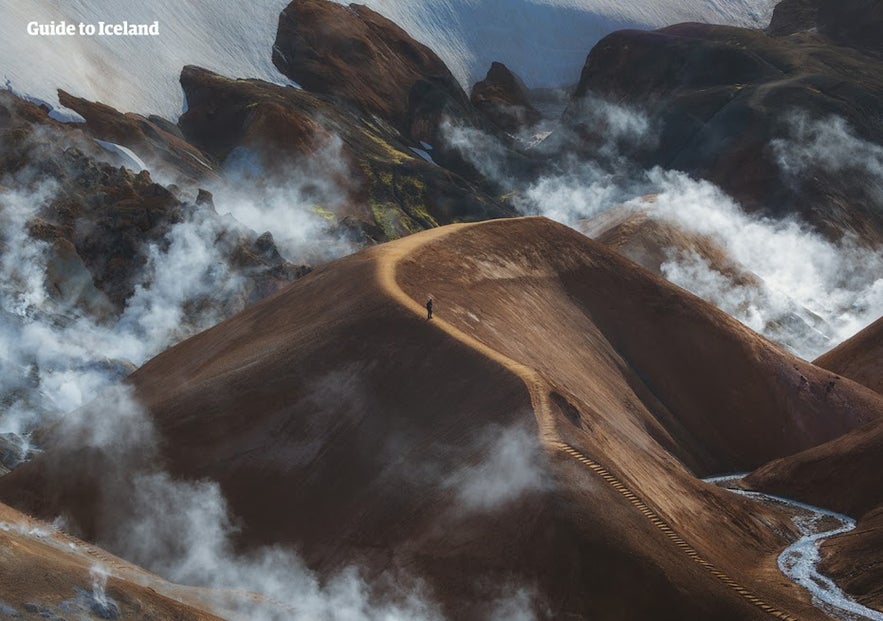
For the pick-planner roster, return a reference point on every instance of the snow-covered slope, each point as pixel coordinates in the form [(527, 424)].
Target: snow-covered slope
[(546, 41)]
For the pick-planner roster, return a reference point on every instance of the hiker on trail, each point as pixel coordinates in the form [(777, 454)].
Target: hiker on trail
[(429, 308)]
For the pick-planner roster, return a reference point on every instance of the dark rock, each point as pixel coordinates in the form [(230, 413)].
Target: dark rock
[(152, 142), (790, 16), (363, 59), (205, 198), (384, 185), (503, 98), (719, 97), (101, 221)]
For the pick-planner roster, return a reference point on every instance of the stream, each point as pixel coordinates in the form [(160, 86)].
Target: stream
[(799, 561)]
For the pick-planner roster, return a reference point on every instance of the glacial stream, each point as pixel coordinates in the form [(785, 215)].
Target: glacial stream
[(800, 560)]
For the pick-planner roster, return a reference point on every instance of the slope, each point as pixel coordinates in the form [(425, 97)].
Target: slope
[(337, 418), (860, 358), (49, 574)]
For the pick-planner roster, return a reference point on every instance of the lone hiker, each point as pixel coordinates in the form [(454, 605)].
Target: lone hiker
[(429, 308)]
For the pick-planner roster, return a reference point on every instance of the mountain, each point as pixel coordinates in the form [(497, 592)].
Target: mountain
[(859, 358), (786, 125), (544, 429), (236, 39)]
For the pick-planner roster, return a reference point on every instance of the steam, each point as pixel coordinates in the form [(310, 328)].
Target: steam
[(830, 144), (517, 606), (61, 341), (813, 293), (805, 291), (183, 531), (300, 210), (101, 604), (511, 468)]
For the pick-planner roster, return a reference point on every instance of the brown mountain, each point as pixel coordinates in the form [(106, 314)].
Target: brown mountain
[(859, 358), (543, 429)]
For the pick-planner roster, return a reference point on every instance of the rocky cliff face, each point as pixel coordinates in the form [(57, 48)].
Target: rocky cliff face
[(100, 219), (364, 60), (751, 113)]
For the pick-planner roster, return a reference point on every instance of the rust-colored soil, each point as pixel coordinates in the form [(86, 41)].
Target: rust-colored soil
[(859, 358), (47, 574), (335, 416)]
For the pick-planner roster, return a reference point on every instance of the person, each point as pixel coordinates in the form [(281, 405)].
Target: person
[(429, 308)]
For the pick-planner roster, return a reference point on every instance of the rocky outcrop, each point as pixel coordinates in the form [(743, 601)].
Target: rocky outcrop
[(364, 60), (743, 109), (503, 98), (153, 139), (387, 187), (99, 220)]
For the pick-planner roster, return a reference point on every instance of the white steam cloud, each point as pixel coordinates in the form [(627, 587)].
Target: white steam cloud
[(832, 145), (511, 467), (182, 530), (807, 292), (298, 211), (61, 341), (813, 293)]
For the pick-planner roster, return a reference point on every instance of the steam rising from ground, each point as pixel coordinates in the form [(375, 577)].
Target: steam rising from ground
[(60, 349), (510, 469), (809, 294), (832, 145), (182, 530)]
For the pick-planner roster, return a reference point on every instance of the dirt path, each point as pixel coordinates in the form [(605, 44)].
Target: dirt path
[(393, 253)]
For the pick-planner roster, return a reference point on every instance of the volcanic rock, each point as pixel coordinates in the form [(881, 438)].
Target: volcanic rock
[(731, 105), (99, 220), (154, 140), (363, 59), (387, 189), (503, 98)]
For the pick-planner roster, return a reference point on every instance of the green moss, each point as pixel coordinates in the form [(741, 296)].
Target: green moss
[(324, 213), (393, 154)]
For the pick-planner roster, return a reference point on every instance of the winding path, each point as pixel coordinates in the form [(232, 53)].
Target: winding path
[(392, 254)]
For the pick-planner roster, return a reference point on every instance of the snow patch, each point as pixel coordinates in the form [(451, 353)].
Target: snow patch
[(132, 161)]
